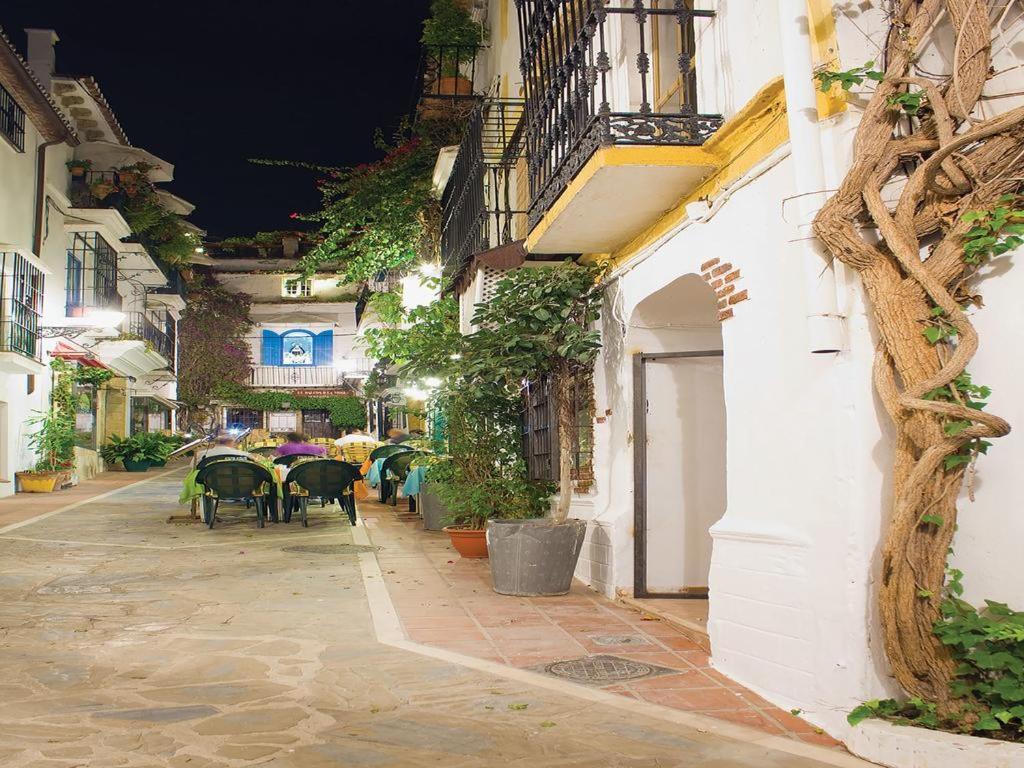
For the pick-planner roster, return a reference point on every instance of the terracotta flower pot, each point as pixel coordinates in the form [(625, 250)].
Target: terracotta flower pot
[(102, 190), (38, 482), (468, 542), (78, 170), (454, 86)]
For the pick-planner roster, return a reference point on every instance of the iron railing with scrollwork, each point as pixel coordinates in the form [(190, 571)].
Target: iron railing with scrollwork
[(159, 336), (479, 207), (21, 305), (91, 275), (604, 72)]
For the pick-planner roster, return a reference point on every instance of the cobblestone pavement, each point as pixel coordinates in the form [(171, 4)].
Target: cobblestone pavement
[(126, 640)]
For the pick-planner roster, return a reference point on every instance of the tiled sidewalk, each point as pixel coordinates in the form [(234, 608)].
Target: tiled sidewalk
[(447, 602), (26, 506)]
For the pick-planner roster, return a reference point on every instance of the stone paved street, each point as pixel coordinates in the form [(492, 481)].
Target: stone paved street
[(126, 640)]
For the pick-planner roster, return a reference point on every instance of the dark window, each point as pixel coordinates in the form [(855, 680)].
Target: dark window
[(243, 418), (12, 120), (540, 432), (21, 304), (92, 275), (317, 424)]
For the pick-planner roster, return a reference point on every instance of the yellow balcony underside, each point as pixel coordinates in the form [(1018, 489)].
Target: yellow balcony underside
[(618, 192)]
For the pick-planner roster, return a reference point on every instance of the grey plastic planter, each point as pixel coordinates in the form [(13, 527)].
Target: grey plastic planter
[(531, 558), (433, 511)]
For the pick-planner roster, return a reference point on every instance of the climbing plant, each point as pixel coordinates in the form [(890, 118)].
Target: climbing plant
[(213, 341), (958, 177), (54, 440), (344, 410)]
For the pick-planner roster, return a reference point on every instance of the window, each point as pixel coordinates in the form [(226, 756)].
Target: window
[(21, 304), (243, 418), (540, 433), (297, 347), (297, 288), (12, 120)]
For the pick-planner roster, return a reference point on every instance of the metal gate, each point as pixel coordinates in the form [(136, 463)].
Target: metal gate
[(640, 409)]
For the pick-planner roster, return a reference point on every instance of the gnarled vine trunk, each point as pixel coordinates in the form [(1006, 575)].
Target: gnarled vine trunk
[(961, 165)]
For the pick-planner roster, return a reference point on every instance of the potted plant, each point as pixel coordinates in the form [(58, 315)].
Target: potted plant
[(54, 443), (453, 37), (539, 324), (136, 453), (101, 189), (78, 168)]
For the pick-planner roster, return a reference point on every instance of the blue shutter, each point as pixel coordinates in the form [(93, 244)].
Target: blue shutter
[(272, 351), (323, 348)]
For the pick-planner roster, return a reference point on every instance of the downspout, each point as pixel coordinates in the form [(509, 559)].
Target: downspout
[(824, 323), (37, 235)]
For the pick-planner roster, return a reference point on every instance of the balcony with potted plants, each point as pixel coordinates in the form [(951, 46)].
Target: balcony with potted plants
[(614, 134), (451, 40)]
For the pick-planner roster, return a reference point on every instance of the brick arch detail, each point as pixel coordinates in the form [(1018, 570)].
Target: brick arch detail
[(724, 280)]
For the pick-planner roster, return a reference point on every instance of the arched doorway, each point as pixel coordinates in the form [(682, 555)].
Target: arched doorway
[(679, 428)]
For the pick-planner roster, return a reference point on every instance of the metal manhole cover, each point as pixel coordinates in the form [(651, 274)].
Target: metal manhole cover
[(328, 549), (603, 670)]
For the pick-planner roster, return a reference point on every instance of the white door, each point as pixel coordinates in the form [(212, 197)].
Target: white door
[(685, 469)]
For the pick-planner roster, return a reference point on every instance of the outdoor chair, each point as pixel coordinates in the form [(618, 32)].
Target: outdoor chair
[(327, 479), (235, 479), (383, 452), (396, 469)]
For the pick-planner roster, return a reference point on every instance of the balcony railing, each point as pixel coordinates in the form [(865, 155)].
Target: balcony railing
[(448, 72), (21, 305), (91, 275), (605, 72), (299, 376), (159, 337), (480, 201)]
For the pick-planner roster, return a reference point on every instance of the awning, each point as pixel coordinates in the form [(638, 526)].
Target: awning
[(508, 256), (67, 350)]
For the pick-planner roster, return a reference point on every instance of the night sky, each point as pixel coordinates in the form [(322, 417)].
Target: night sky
[(207, 85)]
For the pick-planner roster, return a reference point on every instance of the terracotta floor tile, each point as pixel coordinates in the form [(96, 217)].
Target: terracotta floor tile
[(678, 643), (686, 680), (785, 719), (445, 635), (748, 717), (821, 739), (697, 700)]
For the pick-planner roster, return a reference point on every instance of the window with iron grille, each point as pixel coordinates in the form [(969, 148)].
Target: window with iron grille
[(540, 432), (12, 120), (91, 274), (243, 418), (21, 305)]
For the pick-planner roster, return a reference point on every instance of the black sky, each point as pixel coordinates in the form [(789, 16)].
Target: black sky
[(207, 85)]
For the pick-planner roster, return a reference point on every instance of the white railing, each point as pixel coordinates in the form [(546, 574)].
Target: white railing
[(309, 375)]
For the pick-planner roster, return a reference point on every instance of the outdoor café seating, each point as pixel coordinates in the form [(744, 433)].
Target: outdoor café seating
[(230, 478), (395, 469), (327, 479), (379, 454)]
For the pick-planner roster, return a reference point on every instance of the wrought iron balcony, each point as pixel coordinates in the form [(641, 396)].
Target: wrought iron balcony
[(308, 376), (160, 337), (480, 202), (601, 73), (21, 305), (448, 73), (91, 275)]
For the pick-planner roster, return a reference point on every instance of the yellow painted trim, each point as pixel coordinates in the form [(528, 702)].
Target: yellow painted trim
[(607, 157), (503, 22), (826, 53), (756, 131)]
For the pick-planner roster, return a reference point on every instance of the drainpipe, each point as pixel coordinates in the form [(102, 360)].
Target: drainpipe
[(37, 235), (824, 323)]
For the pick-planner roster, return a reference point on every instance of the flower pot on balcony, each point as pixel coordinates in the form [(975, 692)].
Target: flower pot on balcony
[(78, 169), (38, 482), (128, 177), (135, 466), (532, 558), (456, 85), (468, 542)]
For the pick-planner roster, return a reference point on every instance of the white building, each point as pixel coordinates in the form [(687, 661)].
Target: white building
[(738, 452), (303, 335), (77, 284)]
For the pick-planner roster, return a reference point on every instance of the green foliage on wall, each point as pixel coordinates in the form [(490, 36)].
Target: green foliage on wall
[(213, 341), (344, 410)]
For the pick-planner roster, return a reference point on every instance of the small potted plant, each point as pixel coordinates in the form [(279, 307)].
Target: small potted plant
[(136, 453), (78, 168), (101, 189), (54, 444)]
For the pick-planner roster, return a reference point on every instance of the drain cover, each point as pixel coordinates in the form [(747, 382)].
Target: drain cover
[(328, 549), (603, 670)]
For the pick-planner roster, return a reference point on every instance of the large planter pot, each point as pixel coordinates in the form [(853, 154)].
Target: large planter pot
[(434, 512), (534, 557), (135, 466), (158, 464), (454, 86), (468, 542), (38, 482)]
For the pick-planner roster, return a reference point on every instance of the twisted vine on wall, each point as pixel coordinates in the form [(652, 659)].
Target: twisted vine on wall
[(917, 278)]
